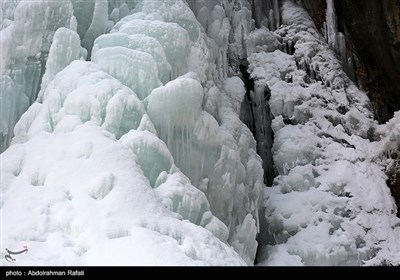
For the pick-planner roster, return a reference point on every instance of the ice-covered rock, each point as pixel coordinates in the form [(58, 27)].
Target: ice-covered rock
[(330, 204)]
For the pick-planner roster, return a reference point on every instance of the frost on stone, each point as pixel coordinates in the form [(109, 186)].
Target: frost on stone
[(330, 204)]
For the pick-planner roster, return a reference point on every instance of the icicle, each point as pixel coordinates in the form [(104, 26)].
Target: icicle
[(277, 17), (331, 24), (341, 41), (73, 24), (271, 19)]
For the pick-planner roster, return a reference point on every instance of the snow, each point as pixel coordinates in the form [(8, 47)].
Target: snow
[(9, 112), (103, 211), (330, 204)]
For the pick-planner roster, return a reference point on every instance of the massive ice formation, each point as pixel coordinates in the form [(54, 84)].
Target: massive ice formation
[(149, 125), (138, 156)]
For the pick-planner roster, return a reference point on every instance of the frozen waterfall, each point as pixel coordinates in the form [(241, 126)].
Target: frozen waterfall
[(145, 132)]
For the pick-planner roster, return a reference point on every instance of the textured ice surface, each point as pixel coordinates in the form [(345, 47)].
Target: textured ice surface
[(135, 69), (78, 108), (26, 32), (98, 26), (141, 43), (173, 157), (152, 154), (206, 151), (173, 38), (66, 47)]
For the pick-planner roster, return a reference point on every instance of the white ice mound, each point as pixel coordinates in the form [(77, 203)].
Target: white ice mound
[(176, 105), (181, 143), (137, 70), (173, 38), (85, 92), (86, 202), (141, 43)]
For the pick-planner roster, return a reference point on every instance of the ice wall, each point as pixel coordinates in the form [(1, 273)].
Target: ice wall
[(99, 192), (156, 92)]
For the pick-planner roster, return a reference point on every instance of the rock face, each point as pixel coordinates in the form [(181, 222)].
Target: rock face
[(394, 179), (373, 29)]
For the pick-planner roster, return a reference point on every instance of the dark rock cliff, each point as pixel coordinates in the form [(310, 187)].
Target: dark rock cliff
[(372, 30)]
